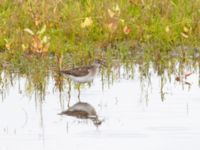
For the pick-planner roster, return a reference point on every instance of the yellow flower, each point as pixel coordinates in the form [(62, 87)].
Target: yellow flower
[(87, 22)]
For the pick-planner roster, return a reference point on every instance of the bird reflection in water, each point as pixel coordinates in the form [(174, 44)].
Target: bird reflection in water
[(83, 110)]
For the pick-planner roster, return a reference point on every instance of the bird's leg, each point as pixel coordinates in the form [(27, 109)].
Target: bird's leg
[(89, 84), (79, 92), (69, 92)]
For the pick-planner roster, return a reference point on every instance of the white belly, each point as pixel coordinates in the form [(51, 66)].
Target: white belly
[(82, 79)]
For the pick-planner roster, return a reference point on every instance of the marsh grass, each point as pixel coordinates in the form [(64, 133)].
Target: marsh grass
[(78, 26)]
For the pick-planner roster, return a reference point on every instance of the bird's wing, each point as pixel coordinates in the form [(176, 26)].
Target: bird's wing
[(77, 71)]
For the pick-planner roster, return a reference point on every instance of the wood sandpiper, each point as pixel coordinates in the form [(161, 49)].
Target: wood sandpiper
[(84, 74)]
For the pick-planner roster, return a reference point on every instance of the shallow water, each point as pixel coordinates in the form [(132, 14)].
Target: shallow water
[(137, 115)]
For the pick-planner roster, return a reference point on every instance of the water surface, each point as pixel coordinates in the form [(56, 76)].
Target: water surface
[(155, 113)]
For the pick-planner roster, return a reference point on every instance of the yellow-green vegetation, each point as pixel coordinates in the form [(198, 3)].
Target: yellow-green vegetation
[(81, 26)]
